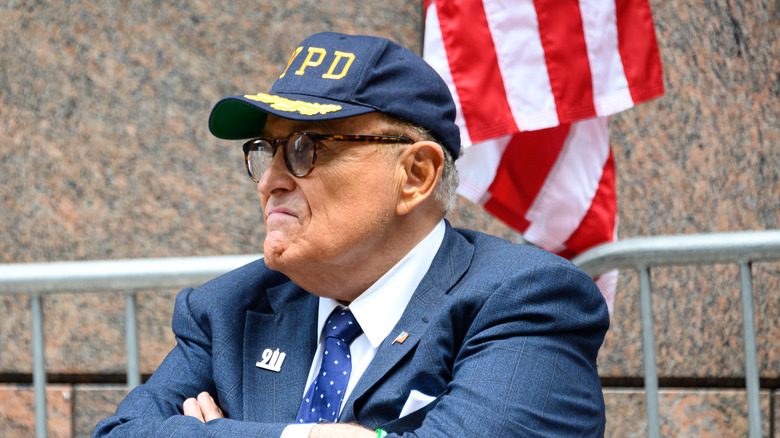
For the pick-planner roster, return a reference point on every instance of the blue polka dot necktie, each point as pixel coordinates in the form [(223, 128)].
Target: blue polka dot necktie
[(323, 399)]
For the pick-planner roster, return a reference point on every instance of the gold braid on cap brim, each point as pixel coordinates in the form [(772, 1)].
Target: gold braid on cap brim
[(282, 104)]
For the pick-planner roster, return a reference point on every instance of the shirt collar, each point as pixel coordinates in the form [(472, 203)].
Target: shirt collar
[(389, 295)]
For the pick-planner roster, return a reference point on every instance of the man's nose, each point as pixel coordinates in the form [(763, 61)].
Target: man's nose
[(276, 177)]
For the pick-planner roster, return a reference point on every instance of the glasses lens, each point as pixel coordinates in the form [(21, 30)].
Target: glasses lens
[(259, 157), (300, 154)]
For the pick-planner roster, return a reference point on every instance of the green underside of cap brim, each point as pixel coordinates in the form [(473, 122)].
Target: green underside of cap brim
[(235, 120)]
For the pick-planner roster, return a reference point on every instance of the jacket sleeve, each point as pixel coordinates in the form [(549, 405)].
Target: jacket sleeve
[(527, 363), (154, 409)]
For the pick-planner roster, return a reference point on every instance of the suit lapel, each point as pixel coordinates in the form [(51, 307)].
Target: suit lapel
[(451, 262), (272, 396)]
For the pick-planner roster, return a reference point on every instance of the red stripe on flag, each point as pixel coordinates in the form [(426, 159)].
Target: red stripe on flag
[(475, 71), (506, 214), (523, 169), (638, 49), (565, 51), (598, 225)]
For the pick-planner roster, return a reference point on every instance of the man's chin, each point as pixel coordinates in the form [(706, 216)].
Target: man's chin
[(275, 251)]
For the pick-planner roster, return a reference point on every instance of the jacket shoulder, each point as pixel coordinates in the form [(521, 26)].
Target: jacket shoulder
[(529, 274)]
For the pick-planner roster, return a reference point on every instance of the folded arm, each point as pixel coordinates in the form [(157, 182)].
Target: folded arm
[(205, 409), (156, 408)]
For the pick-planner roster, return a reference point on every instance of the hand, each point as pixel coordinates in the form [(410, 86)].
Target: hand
[(203, 408)]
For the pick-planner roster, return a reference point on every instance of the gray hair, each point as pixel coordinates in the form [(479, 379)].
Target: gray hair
[(446, 193)]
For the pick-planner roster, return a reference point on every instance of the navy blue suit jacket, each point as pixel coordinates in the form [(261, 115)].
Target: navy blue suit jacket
[(504, 336)]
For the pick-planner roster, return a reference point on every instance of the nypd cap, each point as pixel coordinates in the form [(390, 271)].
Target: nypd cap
[(332, 76)]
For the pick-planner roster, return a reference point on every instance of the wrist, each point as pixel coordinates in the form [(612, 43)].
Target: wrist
[(340, 430)]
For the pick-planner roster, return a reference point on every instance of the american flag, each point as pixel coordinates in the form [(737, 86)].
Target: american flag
[(535, 82)]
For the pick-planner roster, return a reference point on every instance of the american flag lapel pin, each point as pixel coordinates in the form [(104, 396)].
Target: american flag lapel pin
[(401, 338)]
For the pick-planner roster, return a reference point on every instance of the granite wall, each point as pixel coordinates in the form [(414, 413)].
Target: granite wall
[(105, 154)]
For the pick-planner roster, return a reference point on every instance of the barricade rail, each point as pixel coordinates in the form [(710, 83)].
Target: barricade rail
[(743, 248), (38, 279), (641, 254)]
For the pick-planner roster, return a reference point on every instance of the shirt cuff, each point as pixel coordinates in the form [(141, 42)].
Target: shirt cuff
[(297, 430)]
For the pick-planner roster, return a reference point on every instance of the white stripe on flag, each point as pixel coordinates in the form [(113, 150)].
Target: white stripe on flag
[(607, 284), (610, 86), (568, 191), (513, 25), (477, 168)]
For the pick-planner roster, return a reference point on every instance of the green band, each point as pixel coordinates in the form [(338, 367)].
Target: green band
[(380, 433)]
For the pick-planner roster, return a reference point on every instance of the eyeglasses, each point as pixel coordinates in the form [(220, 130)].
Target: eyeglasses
[(300, 150)]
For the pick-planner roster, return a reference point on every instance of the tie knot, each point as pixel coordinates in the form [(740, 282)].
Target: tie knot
[(342, 325)]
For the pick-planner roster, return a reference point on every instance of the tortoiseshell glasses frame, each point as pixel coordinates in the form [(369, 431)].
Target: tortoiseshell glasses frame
[(300, 150)]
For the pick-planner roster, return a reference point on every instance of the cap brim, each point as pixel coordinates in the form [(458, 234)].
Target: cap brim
[(240, 117)]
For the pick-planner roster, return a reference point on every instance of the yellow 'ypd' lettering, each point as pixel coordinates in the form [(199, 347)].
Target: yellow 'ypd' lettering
[(295, 53), (339, 55), (308, 61)]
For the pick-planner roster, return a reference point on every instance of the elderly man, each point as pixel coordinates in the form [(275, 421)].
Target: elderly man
[(369, 314)]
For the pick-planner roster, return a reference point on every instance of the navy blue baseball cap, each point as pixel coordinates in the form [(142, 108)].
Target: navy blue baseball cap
[(333, 76)]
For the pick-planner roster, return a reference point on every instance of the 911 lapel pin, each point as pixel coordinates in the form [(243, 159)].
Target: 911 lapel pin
[(272, 360)]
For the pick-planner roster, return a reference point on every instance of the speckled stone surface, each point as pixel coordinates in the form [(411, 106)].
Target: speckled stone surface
[(92, 403), (684, 413), (17, 404), (73, 410), (105, 154), (703, 158), (698, 323)]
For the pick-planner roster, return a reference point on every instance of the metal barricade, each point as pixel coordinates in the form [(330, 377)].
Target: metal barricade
[(641, 254), (39, 279), (743, 248)]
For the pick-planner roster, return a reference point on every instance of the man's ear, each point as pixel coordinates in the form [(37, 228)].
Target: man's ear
[(422, 163)]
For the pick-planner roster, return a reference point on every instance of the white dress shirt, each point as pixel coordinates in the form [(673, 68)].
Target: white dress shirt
[(387, 297)]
